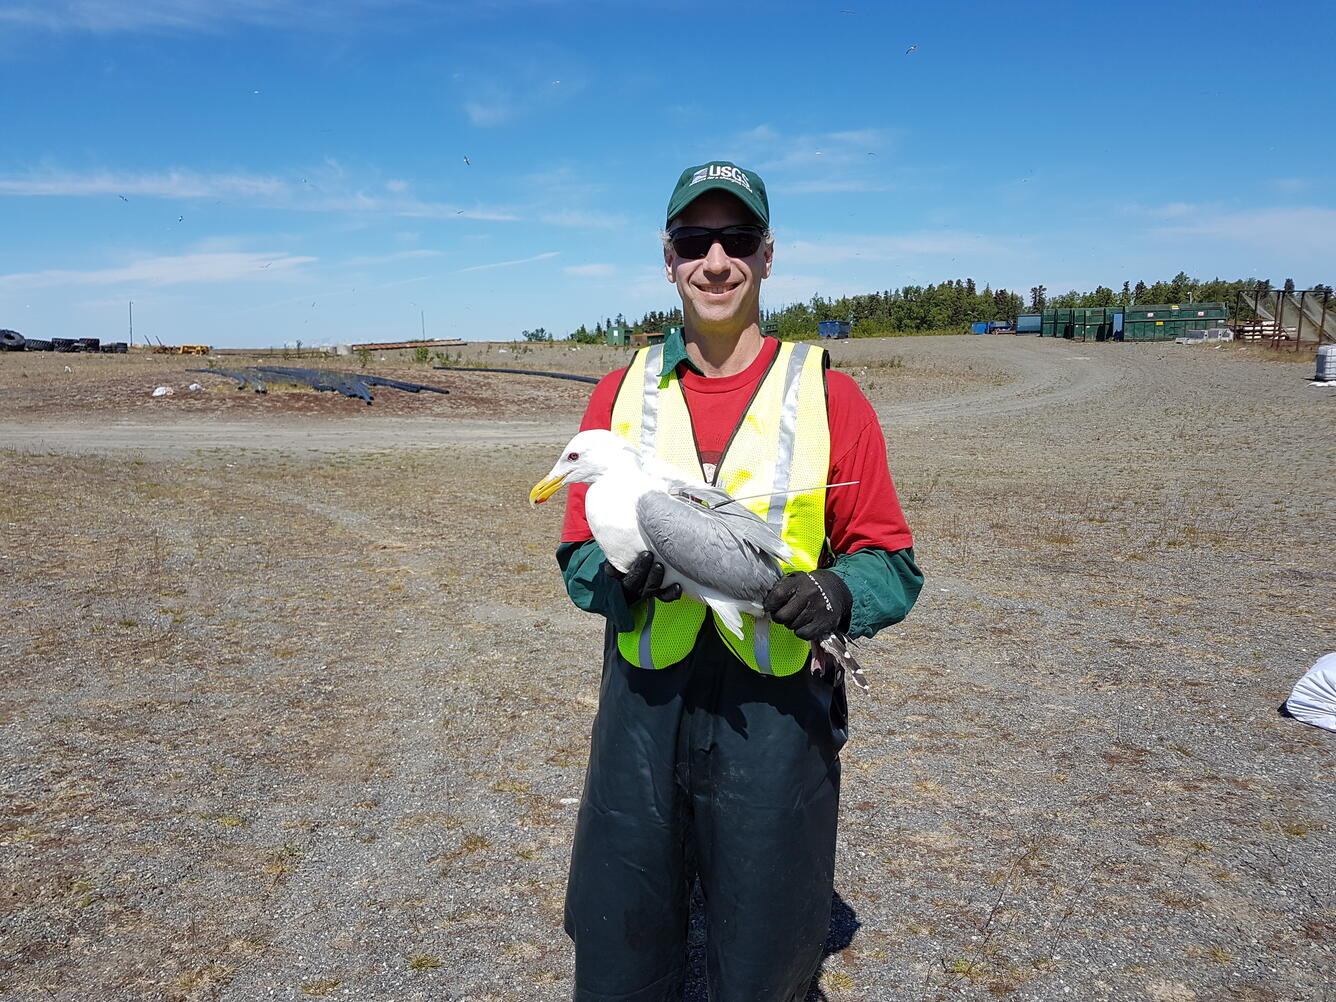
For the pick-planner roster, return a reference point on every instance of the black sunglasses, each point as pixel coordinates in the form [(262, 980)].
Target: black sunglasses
[(694, 242)]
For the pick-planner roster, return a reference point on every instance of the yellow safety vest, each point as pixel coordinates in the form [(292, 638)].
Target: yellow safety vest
[(782, 443)]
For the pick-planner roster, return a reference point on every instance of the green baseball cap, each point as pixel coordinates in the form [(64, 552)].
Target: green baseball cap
[(720, 175)]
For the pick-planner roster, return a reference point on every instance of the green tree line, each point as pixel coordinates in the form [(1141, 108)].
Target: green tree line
[(948, 306)]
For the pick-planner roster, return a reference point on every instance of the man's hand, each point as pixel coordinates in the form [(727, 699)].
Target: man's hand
[(643, 580), (813, 604)]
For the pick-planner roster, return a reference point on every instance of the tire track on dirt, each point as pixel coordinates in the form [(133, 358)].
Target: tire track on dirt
[(1044, 377), (178, 437)]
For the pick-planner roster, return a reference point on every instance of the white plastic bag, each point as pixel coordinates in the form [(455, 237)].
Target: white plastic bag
[(1313, 699), (163, 391)]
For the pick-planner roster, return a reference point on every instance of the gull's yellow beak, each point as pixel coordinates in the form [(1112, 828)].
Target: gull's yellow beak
[(544, 489)]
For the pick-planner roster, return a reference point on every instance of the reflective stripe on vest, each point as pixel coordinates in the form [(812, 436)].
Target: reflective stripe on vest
[(781, 443)]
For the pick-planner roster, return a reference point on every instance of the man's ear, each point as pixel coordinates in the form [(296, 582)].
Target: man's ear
[(769, 258), (668, 265)]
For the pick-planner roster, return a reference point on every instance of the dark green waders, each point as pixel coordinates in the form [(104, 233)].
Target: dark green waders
[(705, 768)]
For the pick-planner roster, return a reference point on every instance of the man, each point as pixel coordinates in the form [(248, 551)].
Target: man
[(712, 757)]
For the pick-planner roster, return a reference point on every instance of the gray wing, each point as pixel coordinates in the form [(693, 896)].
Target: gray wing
[(728, 550)]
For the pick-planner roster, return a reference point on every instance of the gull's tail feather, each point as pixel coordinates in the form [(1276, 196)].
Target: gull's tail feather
[(833, 651), (728, 611)]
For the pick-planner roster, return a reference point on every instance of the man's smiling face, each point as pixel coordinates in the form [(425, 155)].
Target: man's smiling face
[(720, 294)]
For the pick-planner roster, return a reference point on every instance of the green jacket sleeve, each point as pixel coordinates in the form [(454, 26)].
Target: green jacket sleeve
[(884, 585), (589, 588)]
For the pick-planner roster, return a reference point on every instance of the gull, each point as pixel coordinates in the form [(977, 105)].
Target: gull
[(466, 161), (910, 49), (720, 552), (122, 198)]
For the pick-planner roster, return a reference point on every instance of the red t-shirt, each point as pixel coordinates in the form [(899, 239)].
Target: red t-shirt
[(865, 515)]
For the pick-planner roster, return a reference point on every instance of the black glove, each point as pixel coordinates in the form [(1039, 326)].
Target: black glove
[(643, 580), (813, 604)]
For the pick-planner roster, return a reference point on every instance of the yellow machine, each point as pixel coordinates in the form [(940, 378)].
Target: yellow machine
[(181, 349)]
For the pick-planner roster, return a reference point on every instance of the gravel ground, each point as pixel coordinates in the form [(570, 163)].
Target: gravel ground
[(268, 729)]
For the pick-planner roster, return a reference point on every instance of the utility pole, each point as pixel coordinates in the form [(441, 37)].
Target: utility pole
[(132, 323), (423, 315)]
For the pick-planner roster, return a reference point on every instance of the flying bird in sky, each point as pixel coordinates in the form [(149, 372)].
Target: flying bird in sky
[(466, 161), (720, 552), (910, 49)]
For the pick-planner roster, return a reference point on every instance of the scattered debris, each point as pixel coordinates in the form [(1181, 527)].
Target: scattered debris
[(350, 384), (518, 372), (451, 342), (196, 387), (163, 391)]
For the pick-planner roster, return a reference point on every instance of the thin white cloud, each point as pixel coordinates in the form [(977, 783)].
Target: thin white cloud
[(181, 269), (324, 295), (496, 107), (889, 247), (1169, 210), (591, 270), (767, 149), (1281, 232), (508, 264), (329, 192), (164, 184), (498, 86), (584, 218), (368, 260), (825, 187), (1291, 185), (326, 189), (195, 16)]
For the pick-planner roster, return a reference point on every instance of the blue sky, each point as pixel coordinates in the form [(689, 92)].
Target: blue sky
[(254, 172)]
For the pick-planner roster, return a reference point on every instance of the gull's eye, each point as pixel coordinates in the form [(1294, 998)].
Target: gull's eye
[(572, 457)]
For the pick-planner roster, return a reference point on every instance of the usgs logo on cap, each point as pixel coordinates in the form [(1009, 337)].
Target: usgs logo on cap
[(721, 173)]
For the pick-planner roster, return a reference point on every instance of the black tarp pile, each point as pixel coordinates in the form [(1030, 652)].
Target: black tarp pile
[(350, 384)]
